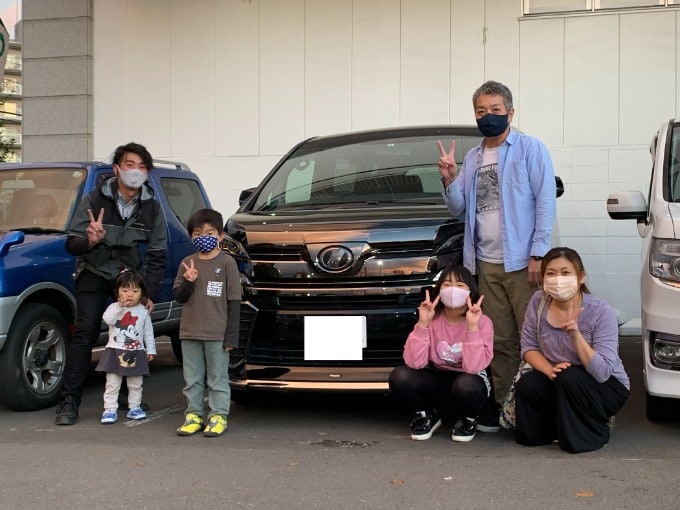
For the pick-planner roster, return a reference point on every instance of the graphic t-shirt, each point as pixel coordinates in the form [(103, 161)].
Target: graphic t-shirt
[(204, 315), (129, 328), (488, 222)]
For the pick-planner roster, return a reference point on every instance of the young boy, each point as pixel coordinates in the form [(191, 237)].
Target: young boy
[(208, 284)]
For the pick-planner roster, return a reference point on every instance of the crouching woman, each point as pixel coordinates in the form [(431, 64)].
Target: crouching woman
[(578, 381), (446, 355)]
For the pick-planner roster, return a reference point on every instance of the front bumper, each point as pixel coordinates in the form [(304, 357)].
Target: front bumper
[(272, 343), (660, 318)]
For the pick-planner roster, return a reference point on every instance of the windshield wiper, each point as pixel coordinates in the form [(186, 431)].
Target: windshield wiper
[(39, 230), (414, 200)]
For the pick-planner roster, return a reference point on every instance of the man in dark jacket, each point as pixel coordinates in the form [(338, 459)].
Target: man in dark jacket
[(105, 234)]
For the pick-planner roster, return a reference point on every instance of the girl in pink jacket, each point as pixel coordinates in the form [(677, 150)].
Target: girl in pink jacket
[(446, 357)]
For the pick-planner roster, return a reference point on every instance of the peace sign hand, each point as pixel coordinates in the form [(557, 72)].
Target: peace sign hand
[(190, 272), (447, 163), (571, 326), (95, 230), (426, 310), (473, 314)]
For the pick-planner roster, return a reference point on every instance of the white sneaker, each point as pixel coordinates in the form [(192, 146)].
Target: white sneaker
[(109, 416)]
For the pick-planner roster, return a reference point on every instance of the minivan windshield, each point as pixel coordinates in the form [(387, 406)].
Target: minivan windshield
[(674, 166), (38, 199), (392, 170)]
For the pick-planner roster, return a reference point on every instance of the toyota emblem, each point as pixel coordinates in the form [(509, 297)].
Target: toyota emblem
[(335, 259)]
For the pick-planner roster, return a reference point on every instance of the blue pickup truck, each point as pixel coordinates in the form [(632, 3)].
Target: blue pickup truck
[(37, 304)]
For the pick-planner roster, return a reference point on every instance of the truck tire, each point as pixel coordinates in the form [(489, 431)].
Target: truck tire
[(32, 360)]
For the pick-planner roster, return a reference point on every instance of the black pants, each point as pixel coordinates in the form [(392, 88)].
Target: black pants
[(425, 389), (93, 295), (574, 409)]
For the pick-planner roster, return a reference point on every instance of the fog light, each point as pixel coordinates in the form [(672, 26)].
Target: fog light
[(666, 353)]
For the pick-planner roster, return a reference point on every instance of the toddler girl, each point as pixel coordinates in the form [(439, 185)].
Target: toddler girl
[(130, 347)]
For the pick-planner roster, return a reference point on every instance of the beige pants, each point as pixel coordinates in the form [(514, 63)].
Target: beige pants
[(112, 389), (506, 296)]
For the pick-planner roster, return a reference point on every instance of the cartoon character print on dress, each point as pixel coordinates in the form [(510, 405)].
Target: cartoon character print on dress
[(129, 339), (451, 354), (128, 359)]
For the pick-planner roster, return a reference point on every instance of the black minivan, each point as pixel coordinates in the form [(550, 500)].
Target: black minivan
[(336, 248)]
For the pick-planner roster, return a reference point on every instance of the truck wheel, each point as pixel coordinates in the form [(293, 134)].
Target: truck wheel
[(32, 360), (176, 345), (658, 408)]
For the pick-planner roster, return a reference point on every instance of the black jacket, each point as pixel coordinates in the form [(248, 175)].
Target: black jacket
[(121, 245)]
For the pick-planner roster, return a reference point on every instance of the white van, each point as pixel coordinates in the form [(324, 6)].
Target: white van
[(658, 222)]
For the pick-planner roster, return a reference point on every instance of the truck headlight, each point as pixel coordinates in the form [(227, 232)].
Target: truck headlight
[(664, 259)]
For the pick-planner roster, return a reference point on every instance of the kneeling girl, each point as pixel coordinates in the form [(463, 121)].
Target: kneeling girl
[(446, 357)]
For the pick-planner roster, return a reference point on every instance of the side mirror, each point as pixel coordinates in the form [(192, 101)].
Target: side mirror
[(10, 239), (244, 195), (559, 185), (627, 205)]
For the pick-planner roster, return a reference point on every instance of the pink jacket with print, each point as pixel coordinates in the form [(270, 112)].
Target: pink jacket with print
[(449, 346)]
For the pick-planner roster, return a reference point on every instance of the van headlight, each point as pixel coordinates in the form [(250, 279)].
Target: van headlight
[(664, 259), (665, 350), (238, 252)]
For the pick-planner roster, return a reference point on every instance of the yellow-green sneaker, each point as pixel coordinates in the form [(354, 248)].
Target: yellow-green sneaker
[(192, 424), (216, 426)]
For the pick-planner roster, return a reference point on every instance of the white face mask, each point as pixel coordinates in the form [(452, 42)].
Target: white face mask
[(454, 297), (561, 288), (133, 178)]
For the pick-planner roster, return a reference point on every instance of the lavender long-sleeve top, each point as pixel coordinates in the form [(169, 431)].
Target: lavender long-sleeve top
[(597, 323)]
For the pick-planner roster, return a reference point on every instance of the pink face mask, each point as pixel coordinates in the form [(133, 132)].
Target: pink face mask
[(561, 288), (454, 297)]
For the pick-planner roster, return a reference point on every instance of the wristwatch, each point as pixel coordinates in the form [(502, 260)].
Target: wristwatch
[(536, 258)]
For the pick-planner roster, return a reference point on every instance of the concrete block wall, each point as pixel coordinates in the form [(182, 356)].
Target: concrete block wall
[(57, 80)]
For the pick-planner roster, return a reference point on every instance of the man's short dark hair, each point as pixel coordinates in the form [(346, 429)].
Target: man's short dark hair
[(135, 148), (203, 216), (493, 88)]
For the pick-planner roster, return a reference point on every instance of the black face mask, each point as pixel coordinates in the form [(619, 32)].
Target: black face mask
[(492, 125)]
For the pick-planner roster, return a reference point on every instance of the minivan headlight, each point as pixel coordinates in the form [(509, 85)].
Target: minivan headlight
[(664, 259), (238, 252), (665, 350)]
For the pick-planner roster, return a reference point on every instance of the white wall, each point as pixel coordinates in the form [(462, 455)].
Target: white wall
[(229, 85)]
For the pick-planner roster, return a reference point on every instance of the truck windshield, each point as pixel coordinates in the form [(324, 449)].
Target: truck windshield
[(395, 170), (38, 198)]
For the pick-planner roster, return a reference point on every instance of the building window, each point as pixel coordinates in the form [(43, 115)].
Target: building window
[(564, 6)]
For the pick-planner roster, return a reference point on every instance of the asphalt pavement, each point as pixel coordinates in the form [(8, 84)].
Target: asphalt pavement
[(286, 451)]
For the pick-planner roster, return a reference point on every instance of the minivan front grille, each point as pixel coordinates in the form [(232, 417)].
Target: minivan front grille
[(349, 302), (295, 357)]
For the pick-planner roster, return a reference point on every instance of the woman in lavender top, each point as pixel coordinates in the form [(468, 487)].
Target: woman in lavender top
[(578, 381)]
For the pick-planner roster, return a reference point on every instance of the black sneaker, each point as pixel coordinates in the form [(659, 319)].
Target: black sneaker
[(488, 418), (423, 424), (67, 412), (464, 430)]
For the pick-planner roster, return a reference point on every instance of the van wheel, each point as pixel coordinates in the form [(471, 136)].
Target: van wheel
[(176, 345), (33, 358), (658, 408)]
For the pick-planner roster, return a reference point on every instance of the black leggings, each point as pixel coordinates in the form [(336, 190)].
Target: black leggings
[(425, 389), (574, 409)]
